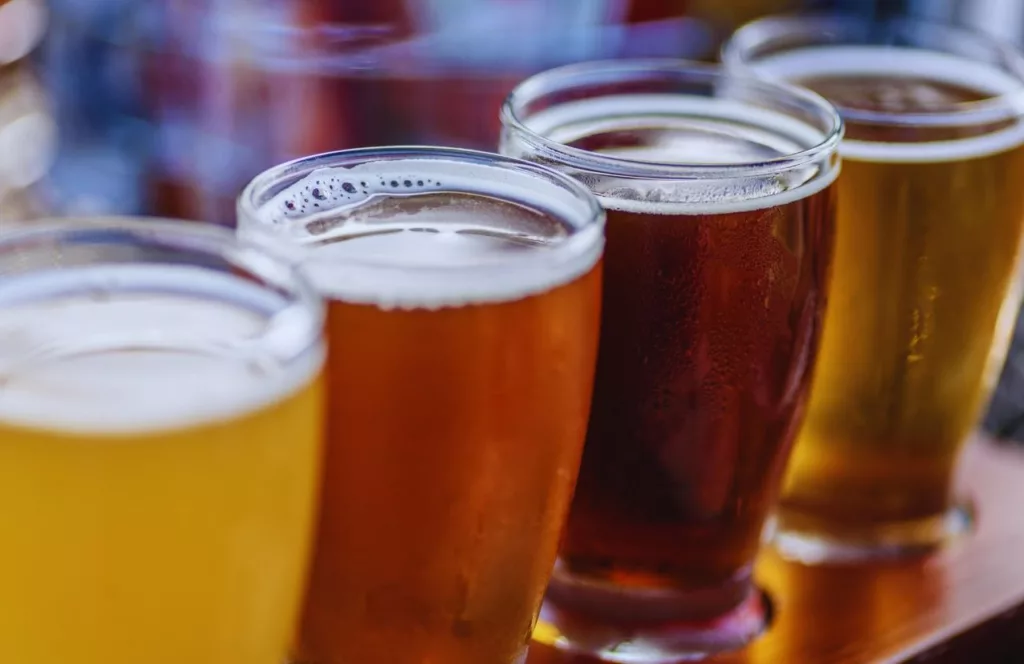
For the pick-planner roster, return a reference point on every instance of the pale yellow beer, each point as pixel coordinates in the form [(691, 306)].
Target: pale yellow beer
[(160, 430), (924, 292)]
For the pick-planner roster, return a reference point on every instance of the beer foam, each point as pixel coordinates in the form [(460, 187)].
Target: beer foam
[(718, 132), (119, 351), (362, 236), (894, 61), (571, 120)]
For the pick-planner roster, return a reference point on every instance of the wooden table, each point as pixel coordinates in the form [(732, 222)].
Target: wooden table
[(965, 604)]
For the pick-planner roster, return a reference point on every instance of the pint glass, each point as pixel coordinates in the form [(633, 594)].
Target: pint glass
[(925, 290), (160, 437), (464, 296), (720, 210)]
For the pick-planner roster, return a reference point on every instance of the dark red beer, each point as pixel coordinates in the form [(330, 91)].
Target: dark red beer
[(709, 329), (720, 203)]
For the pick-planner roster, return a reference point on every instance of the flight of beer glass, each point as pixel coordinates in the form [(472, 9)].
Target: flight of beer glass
[(464, 293), (426, 405), (925, 283), (163, 414), (720, 199), (160, 435)]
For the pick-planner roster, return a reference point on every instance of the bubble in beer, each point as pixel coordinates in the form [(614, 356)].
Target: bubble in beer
[(330, 190)]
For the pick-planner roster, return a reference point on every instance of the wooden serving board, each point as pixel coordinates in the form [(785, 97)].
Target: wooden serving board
[(964, 604)]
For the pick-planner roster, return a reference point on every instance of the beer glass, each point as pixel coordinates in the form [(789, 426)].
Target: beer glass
[(720, 210), (925, 287), (160, 436), (464, 296)]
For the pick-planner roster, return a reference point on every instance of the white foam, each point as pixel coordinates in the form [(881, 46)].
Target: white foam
[(891, 60), (778, 134), (839, 61), (443, 268), (97, 357), (782, 132)]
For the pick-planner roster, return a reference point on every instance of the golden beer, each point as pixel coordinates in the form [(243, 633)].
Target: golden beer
[(924, 290), (464, 303), (159, 451)]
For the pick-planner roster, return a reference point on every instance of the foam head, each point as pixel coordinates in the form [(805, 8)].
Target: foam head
[(907, 66), (685, 130), (124, 350), (430, 232)]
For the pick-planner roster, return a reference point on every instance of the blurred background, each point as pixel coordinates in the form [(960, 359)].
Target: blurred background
[(169, 107)]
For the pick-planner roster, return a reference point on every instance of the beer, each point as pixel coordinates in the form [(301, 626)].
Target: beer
[(713, 301), (924, 293), (711, 311), (158, 473), (463, 317)]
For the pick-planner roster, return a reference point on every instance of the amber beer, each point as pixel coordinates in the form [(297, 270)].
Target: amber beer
[(161, 422), (463, 321), (715, 274), (925, 290)]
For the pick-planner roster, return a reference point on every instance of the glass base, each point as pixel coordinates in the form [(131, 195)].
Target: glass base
[(629, 627), (805, 539)]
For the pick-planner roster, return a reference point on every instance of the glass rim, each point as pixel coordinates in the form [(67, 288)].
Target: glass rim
[(295, 328), (562, 78), (583, 235), (740, 49)]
